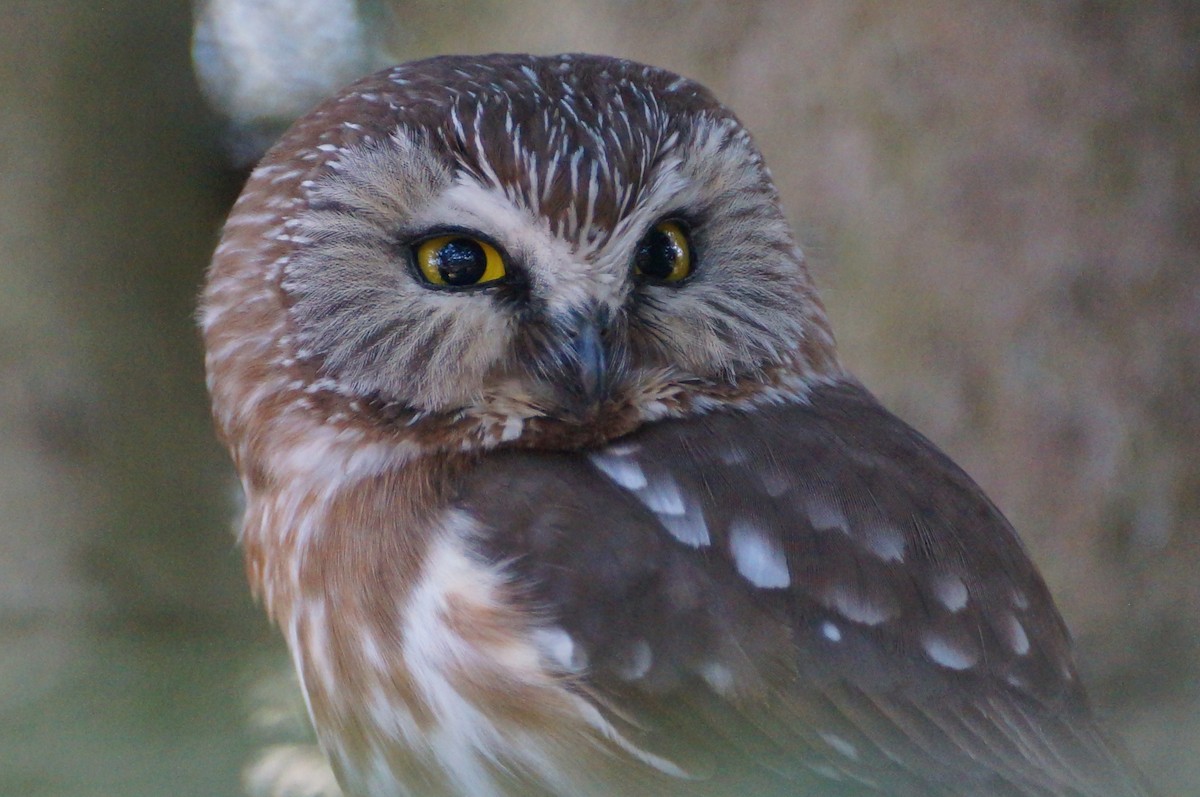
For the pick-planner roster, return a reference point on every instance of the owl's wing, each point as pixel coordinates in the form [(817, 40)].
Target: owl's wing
[(808, 596)]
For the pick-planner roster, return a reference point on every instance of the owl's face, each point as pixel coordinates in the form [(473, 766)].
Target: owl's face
[(515, 246)]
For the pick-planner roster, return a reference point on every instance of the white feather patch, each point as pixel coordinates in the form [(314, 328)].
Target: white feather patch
[(758, 556)]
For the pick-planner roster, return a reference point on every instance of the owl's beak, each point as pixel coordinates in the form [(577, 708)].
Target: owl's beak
[(588, 377)]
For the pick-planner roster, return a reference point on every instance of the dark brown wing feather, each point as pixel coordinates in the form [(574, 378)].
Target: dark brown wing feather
[(802, 599)]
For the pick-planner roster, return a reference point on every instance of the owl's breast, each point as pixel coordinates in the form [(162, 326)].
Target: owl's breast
[(425, 668)]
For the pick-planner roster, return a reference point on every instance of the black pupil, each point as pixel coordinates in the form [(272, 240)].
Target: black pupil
[(658, 254), (461, 262)]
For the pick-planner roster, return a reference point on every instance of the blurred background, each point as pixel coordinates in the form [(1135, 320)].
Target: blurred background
[(1000, 201)]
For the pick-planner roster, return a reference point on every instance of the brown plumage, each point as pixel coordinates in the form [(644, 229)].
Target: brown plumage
[(555, 484)]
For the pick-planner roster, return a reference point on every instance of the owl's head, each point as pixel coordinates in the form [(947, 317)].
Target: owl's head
[(545, 242)]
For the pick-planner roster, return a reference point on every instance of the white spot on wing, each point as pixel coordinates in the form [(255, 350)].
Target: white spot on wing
[(623, 449), (854, 605), (636, 661), (758, 556), (775, 483), (558, 646), (621, 469), (825, 515), (662, 496), (839, 744), (827, 772), (1015, 634), (947, 652), (718, 676), (732, 456), (831, 632), (884, 540), (950, 591), (680, 515), (689, 528)]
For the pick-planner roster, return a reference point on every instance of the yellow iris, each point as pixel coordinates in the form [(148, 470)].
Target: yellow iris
[(664, 255), (459, 261)]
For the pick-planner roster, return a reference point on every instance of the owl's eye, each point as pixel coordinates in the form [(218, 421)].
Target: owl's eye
[(664, 255), (457, 261)]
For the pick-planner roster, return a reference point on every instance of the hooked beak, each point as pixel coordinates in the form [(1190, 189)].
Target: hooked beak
[(586, 377)]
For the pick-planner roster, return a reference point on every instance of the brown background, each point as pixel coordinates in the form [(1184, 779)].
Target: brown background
[(1000, 200)]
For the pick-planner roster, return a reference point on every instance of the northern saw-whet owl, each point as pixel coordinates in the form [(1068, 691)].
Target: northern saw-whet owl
[(555, 484)]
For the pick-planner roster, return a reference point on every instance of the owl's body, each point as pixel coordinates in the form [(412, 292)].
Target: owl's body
[(555, 484)]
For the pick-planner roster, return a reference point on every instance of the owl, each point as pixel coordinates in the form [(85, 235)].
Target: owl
[(555, 483)]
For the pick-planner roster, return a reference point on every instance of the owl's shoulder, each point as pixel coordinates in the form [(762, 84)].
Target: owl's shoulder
[(817, 567), (830, 525)]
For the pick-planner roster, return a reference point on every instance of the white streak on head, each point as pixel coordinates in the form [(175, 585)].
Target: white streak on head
[(758, 555)]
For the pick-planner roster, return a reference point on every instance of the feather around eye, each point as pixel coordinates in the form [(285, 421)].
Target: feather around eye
[(458, 261)]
